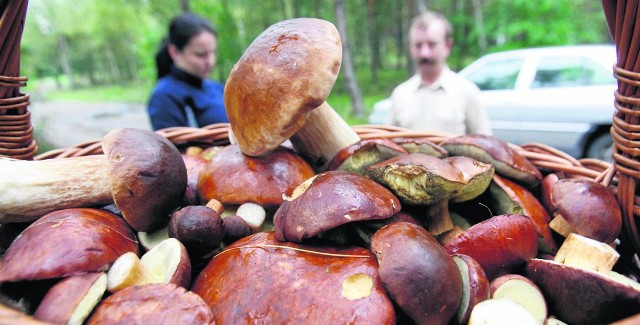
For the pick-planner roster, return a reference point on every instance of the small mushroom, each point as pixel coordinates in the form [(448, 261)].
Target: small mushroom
[(585, 207), (492, 150), (277, 90), (356, 157), (141, 171), (329, 200), (234, 178)]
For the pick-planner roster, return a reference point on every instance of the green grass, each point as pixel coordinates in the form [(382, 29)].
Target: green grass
[(132, 93)]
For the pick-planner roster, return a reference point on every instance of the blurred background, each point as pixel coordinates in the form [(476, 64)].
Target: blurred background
[(95, 58)]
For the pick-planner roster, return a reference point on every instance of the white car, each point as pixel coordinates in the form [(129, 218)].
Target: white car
[(560, 96)]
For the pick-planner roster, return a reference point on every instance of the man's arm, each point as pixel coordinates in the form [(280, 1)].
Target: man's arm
[(477, 119)]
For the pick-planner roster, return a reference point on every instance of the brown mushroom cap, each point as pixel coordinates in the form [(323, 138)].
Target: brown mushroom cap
[(232, 177), (261, 280), (329, 200), (579, 296), (421, 145), (287, 71), (590, 208), (497, 152), (163, 303), (476, 174), (356, 157), (147, 176)]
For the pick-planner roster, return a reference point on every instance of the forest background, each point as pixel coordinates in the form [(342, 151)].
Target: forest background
[(95, 50)]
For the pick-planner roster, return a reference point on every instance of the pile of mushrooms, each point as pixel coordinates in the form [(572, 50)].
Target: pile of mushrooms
[(334, 230)]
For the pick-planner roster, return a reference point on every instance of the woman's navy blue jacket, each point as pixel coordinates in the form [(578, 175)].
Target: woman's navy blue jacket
[(182, 99)]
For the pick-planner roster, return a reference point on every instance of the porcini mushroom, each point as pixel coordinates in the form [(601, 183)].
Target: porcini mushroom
[(492, 150), (141, 171), (278, 90), (329, 200), (585, 207), (259, 279), (67, 242), (358, 156), (234, 178)]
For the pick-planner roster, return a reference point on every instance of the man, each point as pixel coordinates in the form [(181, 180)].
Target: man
[(436, 98)]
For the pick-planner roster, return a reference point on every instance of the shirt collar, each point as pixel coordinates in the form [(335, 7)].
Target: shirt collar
[(441, 83), (186, 77)]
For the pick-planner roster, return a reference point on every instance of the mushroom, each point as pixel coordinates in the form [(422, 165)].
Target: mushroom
[(418, 273), (199, 228), (329, 200), (580, 286), (71, 300), (141, 171), (420, 179), (163, 303), (278, 90), (500, 244), (511, 198), (497, 152), (358, 156), (421, 145), (261, 280), (234, 178), (584, 207), (67, 242)]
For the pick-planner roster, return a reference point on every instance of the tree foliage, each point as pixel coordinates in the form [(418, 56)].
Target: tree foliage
[(113, 42)]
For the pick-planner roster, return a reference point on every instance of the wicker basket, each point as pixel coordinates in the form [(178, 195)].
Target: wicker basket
[(546, 158)]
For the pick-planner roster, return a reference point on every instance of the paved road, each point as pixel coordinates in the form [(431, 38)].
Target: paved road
[(64, 124)]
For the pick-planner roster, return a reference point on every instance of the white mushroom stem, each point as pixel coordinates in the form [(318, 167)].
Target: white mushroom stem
[(587, 253), (127, 271), (560, 225), (31, 189), (322, 136)]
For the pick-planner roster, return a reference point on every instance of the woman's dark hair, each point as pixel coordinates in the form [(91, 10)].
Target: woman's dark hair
[(181, 29)]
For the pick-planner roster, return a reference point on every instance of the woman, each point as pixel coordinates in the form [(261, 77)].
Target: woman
[(184, 96)]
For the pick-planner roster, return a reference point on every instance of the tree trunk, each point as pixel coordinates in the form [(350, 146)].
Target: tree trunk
[(357, 107), (114, 69), (374, 39), (63, 55), (184, 6), (479, 18)]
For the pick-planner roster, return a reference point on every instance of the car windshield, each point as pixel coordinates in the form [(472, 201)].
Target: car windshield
[(497, 75), (570, 72)]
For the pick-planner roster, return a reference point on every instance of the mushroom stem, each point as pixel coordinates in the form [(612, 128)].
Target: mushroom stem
[(127, 271), (587, 253), (438, 220), (324, 134), (31, 189), (560, 225)]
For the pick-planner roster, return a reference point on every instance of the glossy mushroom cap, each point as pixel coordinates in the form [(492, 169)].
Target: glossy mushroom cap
[(286, 72), (590, 208), (329, 200), (147, 175), (232, 177)]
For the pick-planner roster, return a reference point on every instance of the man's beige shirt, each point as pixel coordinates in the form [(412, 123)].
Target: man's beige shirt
[(450, 104)]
